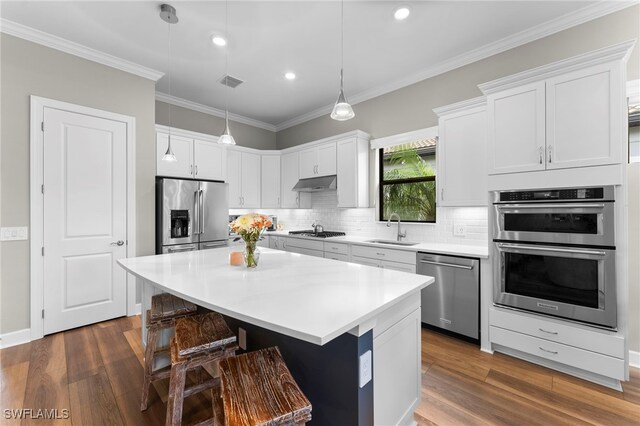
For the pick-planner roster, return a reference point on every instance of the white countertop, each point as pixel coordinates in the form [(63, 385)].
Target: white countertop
[(480, 251), (305, 297)]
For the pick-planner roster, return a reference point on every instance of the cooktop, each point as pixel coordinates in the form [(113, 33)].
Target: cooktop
[(312, 233)]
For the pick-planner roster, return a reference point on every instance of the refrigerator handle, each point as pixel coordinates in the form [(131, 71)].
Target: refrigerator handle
[(196, 213), (201, 214)]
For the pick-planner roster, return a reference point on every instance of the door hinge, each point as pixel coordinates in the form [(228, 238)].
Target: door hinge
[(42, 188), (42, 125), (43, 313), (43, 251)]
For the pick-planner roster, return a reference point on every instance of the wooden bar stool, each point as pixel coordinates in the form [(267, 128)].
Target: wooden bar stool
[(199, 340), (165, 309), (257, 388)]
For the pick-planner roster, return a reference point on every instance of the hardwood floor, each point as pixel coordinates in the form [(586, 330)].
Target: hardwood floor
[(95, 373)]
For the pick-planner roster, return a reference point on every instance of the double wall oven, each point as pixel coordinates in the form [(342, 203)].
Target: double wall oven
[(554, 253)]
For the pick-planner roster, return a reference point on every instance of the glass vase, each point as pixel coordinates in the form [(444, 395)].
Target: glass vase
[(251, 254)]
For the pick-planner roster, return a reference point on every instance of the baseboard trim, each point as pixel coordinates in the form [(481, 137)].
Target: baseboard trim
[(137, 309), (15, 338), (634, 359)]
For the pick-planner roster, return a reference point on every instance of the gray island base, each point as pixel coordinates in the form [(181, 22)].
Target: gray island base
[(350, 334)]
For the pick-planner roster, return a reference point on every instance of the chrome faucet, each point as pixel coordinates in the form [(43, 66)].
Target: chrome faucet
[(401, 234)]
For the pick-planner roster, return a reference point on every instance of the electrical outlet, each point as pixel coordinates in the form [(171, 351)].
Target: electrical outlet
[(459, 230), (365, 368), (14, 233), (242, 338)]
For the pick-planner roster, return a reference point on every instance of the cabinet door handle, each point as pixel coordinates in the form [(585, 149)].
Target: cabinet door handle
[(548, 351), (191, 169), (548, 332), (196, 170), (442, 194), (549, 149), (380, 254), (540, 151)]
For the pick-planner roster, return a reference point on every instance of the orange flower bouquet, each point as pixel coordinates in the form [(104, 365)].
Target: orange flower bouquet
[(250, 226)]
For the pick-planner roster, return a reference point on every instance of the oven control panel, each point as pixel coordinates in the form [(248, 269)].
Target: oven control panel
[(565, 194)]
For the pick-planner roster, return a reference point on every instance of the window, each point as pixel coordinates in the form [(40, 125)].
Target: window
[(408, 181)]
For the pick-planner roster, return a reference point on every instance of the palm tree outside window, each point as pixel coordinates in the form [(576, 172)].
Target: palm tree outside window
[(408, 181)]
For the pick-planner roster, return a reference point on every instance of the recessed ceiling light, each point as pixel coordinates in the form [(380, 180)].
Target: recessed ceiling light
[(290, 76), (401, 13), (219, 41)]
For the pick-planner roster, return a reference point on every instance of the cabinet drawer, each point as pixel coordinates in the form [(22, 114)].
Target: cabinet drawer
[(308, 252), (306, 244), (397, 266), (336, 256), (336, 248), (600, 341), (564, 354), (384, 254)]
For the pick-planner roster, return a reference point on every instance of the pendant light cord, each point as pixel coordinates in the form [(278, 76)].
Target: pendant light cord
[(341, 42), (226, 65), (169, 73)]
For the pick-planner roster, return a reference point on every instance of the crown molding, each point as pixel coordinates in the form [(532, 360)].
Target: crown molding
[(479, 102), (174, 100), (72, 48), (620, 51), (556, 25)]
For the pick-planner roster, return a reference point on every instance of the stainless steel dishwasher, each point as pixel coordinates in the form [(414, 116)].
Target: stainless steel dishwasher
[(452, 301)]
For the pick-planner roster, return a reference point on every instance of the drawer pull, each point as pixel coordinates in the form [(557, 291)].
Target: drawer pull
[(444, 320), (380, 254), (548, 351), (548, 332)]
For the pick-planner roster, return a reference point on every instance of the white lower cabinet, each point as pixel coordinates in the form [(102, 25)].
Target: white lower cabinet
[(396, 386), (398, 260), (308, 247), (592, 350), (264, 242)]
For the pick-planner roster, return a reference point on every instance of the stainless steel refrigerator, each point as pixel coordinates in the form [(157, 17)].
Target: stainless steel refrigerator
[(191, 215)]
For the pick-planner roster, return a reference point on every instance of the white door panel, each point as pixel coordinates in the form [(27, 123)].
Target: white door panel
[(84, 213)]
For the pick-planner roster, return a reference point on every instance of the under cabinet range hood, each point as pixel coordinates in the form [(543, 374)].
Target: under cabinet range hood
[(323, 183)]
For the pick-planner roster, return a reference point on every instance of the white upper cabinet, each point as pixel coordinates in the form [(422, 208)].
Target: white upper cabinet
[(461, 154), (568, 114), (182, 149), (270, 181), (581, 118), (516, 129), (352, 167), (210, 162), (243, 176), (198, 156), (318, 161), (289, 176)]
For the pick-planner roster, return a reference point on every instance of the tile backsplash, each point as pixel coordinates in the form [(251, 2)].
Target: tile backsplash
[(362, 222)]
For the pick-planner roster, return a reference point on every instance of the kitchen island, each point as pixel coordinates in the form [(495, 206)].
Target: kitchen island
[(349, 333)]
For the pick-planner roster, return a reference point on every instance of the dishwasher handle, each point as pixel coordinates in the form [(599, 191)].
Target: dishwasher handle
[(450, 265)]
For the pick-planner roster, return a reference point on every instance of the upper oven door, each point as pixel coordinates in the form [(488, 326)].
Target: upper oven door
[(581, 223)]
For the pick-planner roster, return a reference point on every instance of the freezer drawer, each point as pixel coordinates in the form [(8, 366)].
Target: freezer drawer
[(178, 248), (452, 301)]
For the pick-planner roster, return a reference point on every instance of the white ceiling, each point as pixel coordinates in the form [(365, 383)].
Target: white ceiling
[(267, 38)]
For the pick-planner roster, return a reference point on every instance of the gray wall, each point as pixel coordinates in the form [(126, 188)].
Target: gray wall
[(31, 69), (245, 135), (410, 108)]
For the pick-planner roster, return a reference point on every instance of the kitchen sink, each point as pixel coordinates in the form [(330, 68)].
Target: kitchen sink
[(392, 242)]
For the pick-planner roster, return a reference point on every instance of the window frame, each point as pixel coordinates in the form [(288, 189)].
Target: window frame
[(382, 183)]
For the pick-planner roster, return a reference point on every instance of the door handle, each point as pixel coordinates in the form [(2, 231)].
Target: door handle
[(178, 250), (201, 207), (448, 265), (117, 243), (549, 149), (196, 170), (196, 212), (540, 150), (553, 249)]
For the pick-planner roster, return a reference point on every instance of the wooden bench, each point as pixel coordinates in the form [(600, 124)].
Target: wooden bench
[(199, 340), (257, 388), (165, 309)]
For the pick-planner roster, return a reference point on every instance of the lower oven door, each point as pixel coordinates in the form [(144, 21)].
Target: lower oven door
[(574, 283)]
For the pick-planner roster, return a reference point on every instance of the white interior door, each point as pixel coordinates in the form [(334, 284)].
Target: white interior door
[(85, 219)]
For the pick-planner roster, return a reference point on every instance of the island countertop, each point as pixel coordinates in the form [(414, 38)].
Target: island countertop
[(305, 297)]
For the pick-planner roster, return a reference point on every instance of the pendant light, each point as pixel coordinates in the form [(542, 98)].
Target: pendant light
[(342, 111), (168, 14), (226, 138)]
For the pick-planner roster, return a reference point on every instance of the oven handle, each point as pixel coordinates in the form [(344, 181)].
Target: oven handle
[(553, 249), (550, 205)]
